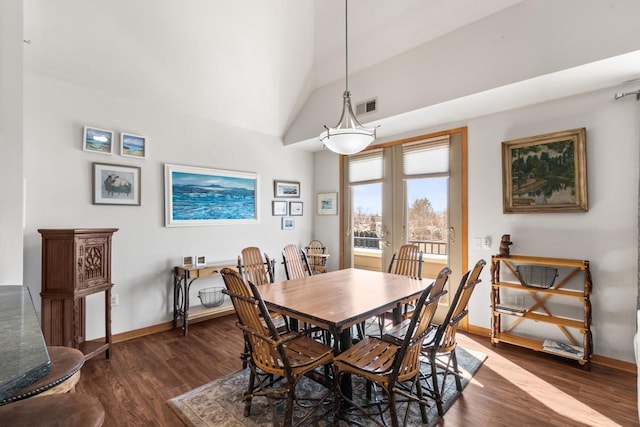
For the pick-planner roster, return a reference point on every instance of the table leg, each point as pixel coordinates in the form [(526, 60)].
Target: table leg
[(342, 341), (185, 307), (177, 279)]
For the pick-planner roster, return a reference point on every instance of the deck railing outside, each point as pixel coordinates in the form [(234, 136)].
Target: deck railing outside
[(428, 247)]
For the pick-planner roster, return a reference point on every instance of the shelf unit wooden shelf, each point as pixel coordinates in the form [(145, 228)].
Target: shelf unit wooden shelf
[(538, 311)]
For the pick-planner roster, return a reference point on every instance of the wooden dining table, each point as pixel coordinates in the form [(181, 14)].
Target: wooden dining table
[(337, 300)]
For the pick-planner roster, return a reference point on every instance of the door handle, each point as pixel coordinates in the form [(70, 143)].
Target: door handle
[(452, 235)]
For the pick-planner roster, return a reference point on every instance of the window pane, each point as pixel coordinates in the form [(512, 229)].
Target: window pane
[(427, 214)]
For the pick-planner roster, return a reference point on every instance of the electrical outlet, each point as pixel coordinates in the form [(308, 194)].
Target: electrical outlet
[(485, 242), (114, 300)]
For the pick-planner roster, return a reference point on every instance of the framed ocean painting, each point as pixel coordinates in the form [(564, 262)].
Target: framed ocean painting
[(197, 196), (97, 140), (133, 145)]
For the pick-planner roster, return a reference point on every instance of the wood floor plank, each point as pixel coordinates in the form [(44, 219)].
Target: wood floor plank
[(515, 386)]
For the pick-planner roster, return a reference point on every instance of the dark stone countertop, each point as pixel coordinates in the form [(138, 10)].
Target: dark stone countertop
[(23, 353)]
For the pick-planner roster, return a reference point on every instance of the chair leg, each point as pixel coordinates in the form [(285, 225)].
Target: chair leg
[(421, 402), (248, 394), (336, 397), (393, 411), (288, 413), (436, 389), (454, 361)]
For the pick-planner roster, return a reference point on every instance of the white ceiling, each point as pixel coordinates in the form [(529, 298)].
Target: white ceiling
[(246, 63)]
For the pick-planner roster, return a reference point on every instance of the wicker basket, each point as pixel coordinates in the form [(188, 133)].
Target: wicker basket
[(537, 276), (211, 297)]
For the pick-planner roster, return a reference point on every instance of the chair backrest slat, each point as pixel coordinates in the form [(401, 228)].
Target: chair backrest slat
[(407, 363), (316, 247), (259, 330), (446, 335), (253, 267), (295, 262), (407, 262)]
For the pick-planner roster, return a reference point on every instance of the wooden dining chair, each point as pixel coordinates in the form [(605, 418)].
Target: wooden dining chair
[(316, 252), (255, 268), (277, 360), (407, 261), (392, 364), (440, 346), (296, 264)]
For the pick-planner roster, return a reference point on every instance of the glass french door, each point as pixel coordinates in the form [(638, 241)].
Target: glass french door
[(409, 192)]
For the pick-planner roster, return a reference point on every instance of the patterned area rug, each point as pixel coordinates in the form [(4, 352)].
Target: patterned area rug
[(219, 403)]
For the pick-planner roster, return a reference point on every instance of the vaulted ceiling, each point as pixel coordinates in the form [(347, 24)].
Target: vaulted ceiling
[(247, 63)]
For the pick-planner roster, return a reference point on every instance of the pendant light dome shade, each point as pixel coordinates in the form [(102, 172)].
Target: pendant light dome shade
[(349, 136)]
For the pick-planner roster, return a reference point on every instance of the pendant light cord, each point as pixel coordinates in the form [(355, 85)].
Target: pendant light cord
[(346, 46)]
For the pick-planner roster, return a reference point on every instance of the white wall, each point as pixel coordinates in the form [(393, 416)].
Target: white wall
[(530, 39), (11, 193), (326, 228), (606, 235), (58, 177)]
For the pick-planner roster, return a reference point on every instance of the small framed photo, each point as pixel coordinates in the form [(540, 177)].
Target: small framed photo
[(97, 140), (188, 260), (116, 185), (286, 189), (279, 208), (295, 208), (133, 145), (201, 260), (327, 203), (288, 223)]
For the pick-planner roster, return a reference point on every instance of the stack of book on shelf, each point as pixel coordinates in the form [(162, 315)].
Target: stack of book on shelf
[(563, 349), (510, 309)]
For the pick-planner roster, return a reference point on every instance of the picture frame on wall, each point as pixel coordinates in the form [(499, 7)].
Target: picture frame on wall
[(288, 223), (295, 208), (327, 204), (116, 184), (196, 196), (545, 173), (97, 140), (290, 189), (133, 145), (279, 208)]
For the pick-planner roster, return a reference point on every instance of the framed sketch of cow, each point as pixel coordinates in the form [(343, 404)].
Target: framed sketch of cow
[(116, 184)]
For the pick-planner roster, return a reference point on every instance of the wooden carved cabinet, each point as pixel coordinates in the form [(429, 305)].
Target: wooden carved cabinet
[(75, 263)]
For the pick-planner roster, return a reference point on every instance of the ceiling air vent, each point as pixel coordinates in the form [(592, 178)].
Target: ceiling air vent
[(365, 107)]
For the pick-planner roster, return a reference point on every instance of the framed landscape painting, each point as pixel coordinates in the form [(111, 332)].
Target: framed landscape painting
[(202, 196), (286, 189), (133, 145), (97, 140), (545, 173)]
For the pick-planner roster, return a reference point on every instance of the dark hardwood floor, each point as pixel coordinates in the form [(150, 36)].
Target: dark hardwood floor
[(514, 387)]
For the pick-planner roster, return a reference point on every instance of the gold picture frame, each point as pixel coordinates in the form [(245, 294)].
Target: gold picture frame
[(545, 173)]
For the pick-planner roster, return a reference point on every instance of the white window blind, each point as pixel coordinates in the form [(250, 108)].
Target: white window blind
[(367, 166), (426, 157)]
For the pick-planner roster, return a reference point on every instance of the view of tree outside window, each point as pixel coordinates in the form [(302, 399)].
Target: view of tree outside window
[(426, 214)]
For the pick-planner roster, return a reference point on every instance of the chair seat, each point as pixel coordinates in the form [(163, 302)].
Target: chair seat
[(372, 356), (304, 351)]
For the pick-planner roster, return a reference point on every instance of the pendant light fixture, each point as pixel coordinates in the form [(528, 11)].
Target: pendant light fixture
[(348, 136)]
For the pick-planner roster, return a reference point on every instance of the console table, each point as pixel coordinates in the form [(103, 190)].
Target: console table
[(183, 276)]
